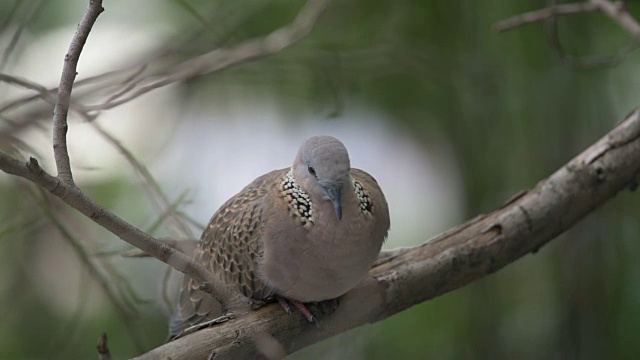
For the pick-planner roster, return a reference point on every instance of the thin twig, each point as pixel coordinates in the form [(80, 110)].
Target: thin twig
[(103, 81), (584, 62), (63, 186), (615, 10), (75, 198), (618, 12), (150, 185), (123, 308), (544, 14), (61, 154), (221, 59), (213, 61), (16, 35), (44, 93)]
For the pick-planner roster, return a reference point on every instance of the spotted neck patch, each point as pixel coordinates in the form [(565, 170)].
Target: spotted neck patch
[(363, 197), (300, 205)]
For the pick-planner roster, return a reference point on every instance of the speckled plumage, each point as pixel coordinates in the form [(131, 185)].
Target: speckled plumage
[(282, 234)]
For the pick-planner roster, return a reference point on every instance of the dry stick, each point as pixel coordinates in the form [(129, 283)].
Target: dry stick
[(72, 195), (150, 185), (123, 309), (477, 248), (615, 10), (27, 84), (544, 14), (19, 30), (105, 80), (584, 62), (619, 13), (75, 198), (63, 185), (156, 194), (214, 61), (69, 73), (220, 59)]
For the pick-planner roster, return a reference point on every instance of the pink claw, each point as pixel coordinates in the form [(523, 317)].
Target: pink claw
[(299, 305), (285, 305), (303, 309)]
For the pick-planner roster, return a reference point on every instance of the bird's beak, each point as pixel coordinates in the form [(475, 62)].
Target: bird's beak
[(335, 196)]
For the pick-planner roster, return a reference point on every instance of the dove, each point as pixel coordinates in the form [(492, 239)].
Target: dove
[(303, 234)]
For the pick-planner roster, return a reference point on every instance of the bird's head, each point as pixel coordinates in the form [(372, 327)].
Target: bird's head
[(321, 168)]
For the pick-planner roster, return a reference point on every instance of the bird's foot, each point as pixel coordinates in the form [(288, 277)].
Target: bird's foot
[(285, 304), (298, 305)]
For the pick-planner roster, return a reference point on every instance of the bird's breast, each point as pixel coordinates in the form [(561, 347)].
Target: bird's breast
[(324, 260)]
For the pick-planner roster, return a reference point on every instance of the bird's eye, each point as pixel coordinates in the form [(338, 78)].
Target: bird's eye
[(312, 171)]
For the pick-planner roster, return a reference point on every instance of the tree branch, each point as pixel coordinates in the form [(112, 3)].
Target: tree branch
[(134, 82), (75, 198), (63, 186), (220, 59), (69, 73), (618, 12), (584, 62), (477, 248), (615, 10)]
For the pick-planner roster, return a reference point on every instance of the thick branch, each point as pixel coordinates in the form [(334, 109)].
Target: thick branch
[(544, 14), (69, 73), (479, 247)]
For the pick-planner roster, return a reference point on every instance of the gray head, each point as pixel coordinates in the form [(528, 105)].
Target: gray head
[(322, 169)]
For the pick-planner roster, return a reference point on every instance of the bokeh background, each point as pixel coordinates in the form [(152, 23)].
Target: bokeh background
[(451, 117)]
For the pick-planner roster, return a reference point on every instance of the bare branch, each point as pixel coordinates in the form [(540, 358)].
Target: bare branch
[(220, 59), (584, 62), (618, 12), (69, 73), (615, 10), (16, 35), (28, 84), (150, 185), (477, 248), (103, 350), (137, 84), (544, 14), (123, 308), (75, 198), (63, 185)]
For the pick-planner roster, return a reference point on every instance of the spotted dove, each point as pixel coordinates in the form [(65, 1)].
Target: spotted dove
[(302, 234)]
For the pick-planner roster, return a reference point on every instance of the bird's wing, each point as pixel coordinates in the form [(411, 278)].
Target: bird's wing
[(230, 247)]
